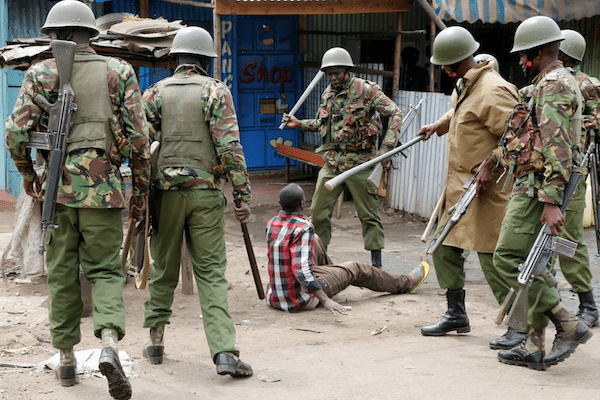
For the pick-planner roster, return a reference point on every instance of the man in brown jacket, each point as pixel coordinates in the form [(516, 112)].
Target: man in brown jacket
[(481, 103)]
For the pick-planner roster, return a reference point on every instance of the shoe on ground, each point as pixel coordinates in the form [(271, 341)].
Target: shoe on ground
[(447, 323), (67, 375), (154, 354), (565, 343), (227, 364), (420, 273), (110, 366), (510, 339), (519, 355)]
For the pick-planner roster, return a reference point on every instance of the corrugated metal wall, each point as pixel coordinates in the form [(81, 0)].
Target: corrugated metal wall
[(417, 180)]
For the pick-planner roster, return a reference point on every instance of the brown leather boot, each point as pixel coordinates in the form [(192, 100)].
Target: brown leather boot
[(570, 333)]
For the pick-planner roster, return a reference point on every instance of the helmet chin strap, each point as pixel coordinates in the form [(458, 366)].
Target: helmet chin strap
[(531, 54), (454, 74)]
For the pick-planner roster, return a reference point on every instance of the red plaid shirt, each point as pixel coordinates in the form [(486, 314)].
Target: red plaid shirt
[(291, 248)]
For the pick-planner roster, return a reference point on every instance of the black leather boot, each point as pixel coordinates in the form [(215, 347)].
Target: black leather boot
[(588, 312), (376, 258), (510, 339), (455, 318)]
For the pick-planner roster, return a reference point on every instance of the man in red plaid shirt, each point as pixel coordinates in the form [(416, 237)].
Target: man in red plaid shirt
[(301, 275)]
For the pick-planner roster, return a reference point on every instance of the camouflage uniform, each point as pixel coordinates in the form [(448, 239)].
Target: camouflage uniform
[(190, 200), (577, 269), (349, 132), (541, 157), (90, 197)]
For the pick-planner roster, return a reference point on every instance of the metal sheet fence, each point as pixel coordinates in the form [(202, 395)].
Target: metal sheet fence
[(417, 180)]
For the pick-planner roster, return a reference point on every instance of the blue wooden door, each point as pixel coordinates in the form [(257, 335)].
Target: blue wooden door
[(12, 175), (267, 80)]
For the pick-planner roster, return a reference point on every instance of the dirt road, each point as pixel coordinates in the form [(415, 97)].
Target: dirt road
[(309, 355)]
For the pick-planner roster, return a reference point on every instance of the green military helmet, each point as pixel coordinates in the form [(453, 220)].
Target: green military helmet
[(453, 45), (535, 32), (193, 40), (336, 57), (291, 196), (573, 45), (483, 57), (70, 14)]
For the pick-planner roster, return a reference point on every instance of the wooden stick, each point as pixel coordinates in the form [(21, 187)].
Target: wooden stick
[(142, 280), (127, 245), (433, 217)]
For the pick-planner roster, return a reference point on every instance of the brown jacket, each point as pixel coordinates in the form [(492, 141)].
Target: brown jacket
[(475, 124)]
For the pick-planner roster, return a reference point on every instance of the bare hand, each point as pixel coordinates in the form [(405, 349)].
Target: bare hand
[(137, 207), (334, 307), (291, 121), (387, 163), (242, 213), (484, 177), (429, 130), (553, 217), (32, 188)]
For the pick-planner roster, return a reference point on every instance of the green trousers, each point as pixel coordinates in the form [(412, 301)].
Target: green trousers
[(365, 200), (200, 214), (520, 228), (577, 269), (449, 263), (90, 238)]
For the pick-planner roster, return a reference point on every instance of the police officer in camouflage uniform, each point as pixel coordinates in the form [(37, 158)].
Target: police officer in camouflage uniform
[(480, 105), (349, 131), (540, 157), (193, 118), (577, 269), (91, 192)]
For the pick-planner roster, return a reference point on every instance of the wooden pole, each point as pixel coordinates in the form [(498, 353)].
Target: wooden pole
[(397, 51), (217, 38), (431, 66), (144, 8)]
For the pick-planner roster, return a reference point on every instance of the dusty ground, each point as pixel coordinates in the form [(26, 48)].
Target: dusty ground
[(309, 355)]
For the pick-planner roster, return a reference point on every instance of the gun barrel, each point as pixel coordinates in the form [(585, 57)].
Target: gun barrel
[(436, 242)]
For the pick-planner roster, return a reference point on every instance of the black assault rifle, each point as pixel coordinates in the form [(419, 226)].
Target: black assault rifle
[(457, 210), (593, 169), (539, 258), (55, 139)]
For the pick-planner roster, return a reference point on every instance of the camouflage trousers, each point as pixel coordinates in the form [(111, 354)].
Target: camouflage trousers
[(90, 238), (365, 200), (577, 269), (200, 214), (520, 228)]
